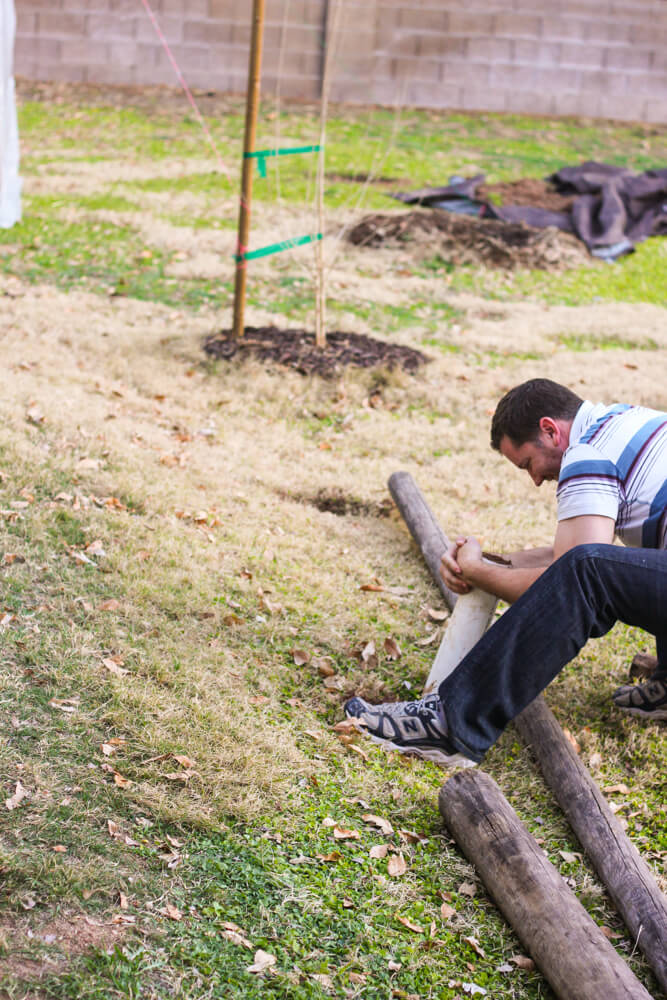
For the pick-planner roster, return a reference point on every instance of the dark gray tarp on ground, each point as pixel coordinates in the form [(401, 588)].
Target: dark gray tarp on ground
[(613, 208)]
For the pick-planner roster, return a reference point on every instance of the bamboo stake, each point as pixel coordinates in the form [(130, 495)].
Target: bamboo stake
[(252, 104), (332, 22)]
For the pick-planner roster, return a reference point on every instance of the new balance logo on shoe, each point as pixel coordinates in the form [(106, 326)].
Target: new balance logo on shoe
[(411, 727)]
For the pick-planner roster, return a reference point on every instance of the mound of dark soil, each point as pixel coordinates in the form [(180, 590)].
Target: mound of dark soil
[(531, 191), (464, 239), (296, 349)]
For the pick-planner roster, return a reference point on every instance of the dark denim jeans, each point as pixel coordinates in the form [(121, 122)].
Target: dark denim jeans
[(579, 596)]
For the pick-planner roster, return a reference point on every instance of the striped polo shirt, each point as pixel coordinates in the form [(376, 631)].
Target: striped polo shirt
[(616, 466)]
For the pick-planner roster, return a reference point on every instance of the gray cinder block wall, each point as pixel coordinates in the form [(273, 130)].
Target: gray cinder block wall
[(598, 58)]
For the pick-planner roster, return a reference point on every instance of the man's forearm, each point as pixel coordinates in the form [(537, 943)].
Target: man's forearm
[(505, 582), (531, 558)]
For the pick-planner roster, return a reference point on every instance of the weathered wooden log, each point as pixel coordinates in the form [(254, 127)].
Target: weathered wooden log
[(614, 857), (566, 944), (626, 876), (423, 527)]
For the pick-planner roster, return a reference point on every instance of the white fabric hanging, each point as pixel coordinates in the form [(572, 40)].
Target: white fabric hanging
[(10, 183)]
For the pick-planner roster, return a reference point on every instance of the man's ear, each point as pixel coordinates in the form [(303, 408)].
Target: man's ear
[(550, 427)]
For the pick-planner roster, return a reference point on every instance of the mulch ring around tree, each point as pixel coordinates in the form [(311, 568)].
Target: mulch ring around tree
[(463, 239), (296, 349)]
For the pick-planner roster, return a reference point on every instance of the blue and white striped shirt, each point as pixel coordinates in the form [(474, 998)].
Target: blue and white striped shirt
[(616, 466)]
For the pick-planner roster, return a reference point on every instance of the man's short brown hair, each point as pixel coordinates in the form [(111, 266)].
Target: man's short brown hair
[(519, 412)]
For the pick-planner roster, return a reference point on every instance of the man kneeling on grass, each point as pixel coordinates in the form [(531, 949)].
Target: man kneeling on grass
[(610, 463)]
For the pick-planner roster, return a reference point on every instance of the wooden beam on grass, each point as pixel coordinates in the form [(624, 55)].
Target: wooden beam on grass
[(614, 857), (423, 526), (566, 944), (618, 864)]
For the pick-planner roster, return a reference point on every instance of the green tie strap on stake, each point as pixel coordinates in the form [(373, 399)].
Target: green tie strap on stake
[(261, 155), (297, 241)]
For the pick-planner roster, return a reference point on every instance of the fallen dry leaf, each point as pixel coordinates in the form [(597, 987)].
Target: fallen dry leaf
[(123, 901), (394, 966), (467, 889), (10, 558), (325, 666), (356, 749), (411, 925), (396, 866), (346, 726), (616, 790), (410, 837), (110, 664), (20, 793), (59, 849), (184, 761), (572, 740), (34, 415), (391, 649), (263, 961), (300, 657), (182, 776), (68, 705), (369, 656), (236, 936), (446, 911), (326, 982), (475, 945), (259, 699), (378, 587), (111, 605), (171, 911), (523, 962), (382, 824), (437, 615), (96, 548), (341, 833), (427, 640), (121, 781), (333, 856), (379, 851)]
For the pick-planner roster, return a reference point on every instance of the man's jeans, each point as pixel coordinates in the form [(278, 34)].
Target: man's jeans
[(579, 596)]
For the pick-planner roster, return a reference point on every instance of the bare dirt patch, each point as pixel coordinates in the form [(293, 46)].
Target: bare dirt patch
[(34, 950), (336, 501), (468, 240), (296, 349), (526, 191)]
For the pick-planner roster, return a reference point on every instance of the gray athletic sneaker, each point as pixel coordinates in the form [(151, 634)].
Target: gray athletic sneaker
[(647, 701), (411, 727)]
